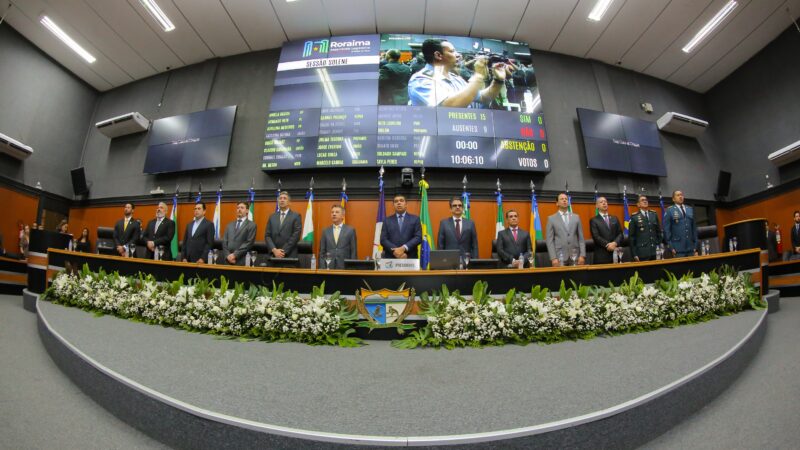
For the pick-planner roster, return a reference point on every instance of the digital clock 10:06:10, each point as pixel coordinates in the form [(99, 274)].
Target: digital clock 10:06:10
[(467, 159)]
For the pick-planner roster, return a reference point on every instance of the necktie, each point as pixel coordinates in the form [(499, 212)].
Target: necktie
[(238, 224), (683, 211), (400, 221), (514, 232), (125, 227), (565, 217), (158, 222), (646, 219), (336, 230), (605, 217), (283, 216), (458, 228)]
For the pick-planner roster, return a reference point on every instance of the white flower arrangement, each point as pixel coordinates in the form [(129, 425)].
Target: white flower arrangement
[(579, 312)]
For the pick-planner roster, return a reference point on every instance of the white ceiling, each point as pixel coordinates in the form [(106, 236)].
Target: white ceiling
[(642, 35)]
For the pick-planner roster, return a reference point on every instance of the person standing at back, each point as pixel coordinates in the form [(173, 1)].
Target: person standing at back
[(458, 232), (606, 233), (680, 230), (198, 238), (126, 230), (565, 234), (401, 233), (283, 229)]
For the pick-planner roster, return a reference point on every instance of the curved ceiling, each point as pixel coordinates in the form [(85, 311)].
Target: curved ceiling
[(641, 35)]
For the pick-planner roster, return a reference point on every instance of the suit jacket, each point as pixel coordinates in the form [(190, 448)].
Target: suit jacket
[(508, 248), (795, 238), (197, 246), (564, 238), (644, 234), (447, 239), (162, 236), (344, 249), (284, 236), (238, 242), (124, 236), (392, 236), (680, 232), (602, 235)]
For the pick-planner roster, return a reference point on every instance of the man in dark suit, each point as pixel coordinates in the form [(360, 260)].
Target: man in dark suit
[(565, 234), (606, 233), (514, 241), (239, 237), (393, 80), (680, 230), (644, 232), (338, 240), (199, 236), (795, 253), (457, 232), (159, 232), (401, 232), (126, 230), (283, 229)]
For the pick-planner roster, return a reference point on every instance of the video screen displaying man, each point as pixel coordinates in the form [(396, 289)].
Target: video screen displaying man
[(458, 72)]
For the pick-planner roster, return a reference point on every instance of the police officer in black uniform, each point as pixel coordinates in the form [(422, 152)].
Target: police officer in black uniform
[(644, 232)]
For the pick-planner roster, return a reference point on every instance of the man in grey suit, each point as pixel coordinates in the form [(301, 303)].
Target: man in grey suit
[(239, 237), (514, 241), (457, 232), (283, 229), (565, 234), (338, 240)]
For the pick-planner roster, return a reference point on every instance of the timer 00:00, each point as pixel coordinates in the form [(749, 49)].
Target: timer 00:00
[(467, 145)]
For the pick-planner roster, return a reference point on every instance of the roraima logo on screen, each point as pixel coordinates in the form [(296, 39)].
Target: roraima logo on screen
[(315, 48)]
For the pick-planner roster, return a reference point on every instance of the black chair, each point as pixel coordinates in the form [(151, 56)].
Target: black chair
[(484, 263), (542, 257), (262, 254), (304, 251), (708, 233), (105, 241)]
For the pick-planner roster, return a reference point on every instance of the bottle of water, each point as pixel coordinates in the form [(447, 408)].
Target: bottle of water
[(313, 262), (521, 261), (210, 259), (157, 254), (247, 259)]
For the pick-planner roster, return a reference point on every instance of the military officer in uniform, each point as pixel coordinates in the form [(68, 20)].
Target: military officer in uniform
[(680, 230), (644, 232)]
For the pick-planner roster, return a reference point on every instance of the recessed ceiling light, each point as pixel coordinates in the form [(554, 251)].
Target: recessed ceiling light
[(152, 7), (599, 10), (56, 30), (710, 26)]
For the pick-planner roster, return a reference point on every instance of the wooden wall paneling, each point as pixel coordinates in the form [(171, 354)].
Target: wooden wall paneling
[(17, 207)]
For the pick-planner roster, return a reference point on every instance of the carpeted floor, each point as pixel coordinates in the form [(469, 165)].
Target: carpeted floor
[(40, 407)]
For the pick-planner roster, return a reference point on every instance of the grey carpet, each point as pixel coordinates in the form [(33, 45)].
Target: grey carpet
[(39, 406), (377, 390)]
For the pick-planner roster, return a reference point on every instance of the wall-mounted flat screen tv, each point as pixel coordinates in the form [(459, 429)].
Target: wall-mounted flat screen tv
[(621, 144), (198, 140)]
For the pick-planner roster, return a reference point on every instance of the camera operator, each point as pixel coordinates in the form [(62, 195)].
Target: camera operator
[(438, 85)]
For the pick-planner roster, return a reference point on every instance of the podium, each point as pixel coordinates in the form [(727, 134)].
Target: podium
[(750, 233), (41, 240)]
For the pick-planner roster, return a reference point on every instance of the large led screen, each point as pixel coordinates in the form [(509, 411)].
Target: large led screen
[(405, 100)]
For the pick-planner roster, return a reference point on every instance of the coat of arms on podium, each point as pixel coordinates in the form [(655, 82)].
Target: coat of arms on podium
[(385, 307)]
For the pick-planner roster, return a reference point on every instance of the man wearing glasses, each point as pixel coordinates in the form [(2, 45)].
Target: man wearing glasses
[(457, 232)]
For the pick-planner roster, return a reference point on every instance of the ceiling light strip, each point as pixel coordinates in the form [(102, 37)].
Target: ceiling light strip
[(710, 26), (64, 37), (599, 10), (152, 7)]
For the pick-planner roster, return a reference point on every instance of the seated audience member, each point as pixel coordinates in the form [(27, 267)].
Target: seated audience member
[(239, 237), (513, 242), (82, 244)]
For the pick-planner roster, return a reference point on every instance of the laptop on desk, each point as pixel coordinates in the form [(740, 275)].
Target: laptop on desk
[(445, 259)]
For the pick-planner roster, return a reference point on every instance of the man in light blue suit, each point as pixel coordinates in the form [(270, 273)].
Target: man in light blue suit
[(680, 230), (457, 232), (401, 232)]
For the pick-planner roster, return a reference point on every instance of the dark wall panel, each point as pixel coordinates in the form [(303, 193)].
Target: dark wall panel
[(44, 106), (755, 112)]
